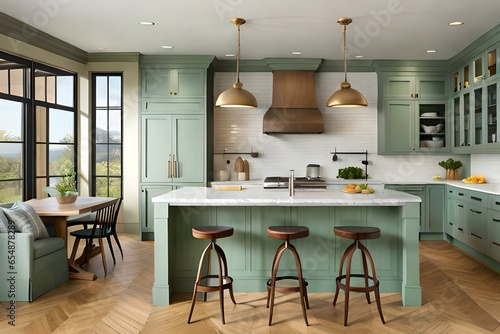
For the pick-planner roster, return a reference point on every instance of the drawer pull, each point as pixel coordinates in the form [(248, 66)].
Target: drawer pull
[(495, 243), (460, 229), (475, 211), (496, 220), (476, 198), (497, 203), (450, 223), (460, 205), (477, 236), (461, 194)]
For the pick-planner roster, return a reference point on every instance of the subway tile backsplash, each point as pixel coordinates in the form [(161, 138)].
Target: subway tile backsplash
[(346, 129)]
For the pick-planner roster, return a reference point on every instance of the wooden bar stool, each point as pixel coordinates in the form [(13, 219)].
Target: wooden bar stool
[(287, 233), (357, 233), (211, 283)]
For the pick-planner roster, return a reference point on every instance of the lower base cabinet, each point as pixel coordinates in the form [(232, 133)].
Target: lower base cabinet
[(476, 227), (473, 221), (493, 240), (147, 208), (432, 207)]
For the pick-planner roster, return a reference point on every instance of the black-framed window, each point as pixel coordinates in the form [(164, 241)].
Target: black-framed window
[(107, 134), (37, 103)]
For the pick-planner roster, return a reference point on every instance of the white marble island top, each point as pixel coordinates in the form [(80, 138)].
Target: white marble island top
[(256, 196)]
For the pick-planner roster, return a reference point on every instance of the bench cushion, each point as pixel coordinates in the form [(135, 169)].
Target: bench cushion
[(42, 247)]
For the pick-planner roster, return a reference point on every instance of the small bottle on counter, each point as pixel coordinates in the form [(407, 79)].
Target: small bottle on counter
[(291, 180)]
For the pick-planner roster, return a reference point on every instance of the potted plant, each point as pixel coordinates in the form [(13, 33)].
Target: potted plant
[(66, 187), (452, 168)]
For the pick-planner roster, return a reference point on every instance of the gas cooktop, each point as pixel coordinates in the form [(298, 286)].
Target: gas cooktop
[(300, 183)]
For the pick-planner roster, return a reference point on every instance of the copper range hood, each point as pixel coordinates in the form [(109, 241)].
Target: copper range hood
[(294, 108)]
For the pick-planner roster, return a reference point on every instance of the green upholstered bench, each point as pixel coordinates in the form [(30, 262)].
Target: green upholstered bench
[(38, 267)]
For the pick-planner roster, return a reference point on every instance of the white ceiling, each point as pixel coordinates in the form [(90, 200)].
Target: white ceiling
[(381, 29)]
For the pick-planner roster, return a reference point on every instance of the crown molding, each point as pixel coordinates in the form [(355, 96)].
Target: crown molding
[(110, 57), (23, 32), (178, 61)]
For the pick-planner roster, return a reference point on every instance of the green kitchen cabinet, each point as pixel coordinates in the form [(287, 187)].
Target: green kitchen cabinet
[(173, 82), (250, 251), (435, 209), (414, 126), (493, 233), (417, 190), (493, 227), (147, 208), (176, 132), (419, 86), (476, 227), (460, 223), (173, 148), (475, 108), (432, 208), (412, 113)]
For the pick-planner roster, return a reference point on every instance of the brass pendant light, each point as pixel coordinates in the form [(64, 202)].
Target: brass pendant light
[(346, 96), (237, 97)]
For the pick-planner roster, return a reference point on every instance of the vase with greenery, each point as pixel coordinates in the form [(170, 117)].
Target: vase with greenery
[(66, 187), (452, 168)]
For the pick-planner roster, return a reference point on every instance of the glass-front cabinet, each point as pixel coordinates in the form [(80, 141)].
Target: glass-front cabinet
[(475, 111)]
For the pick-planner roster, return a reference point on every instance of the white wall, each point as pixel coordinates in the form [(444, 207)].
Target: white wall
[(487, 165), (238, 130)]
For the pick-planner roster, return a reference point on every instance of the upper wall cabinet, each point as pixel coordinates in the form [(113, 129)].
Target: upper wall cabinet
[(476, 87), (416, 87), (167, 82), (412, 113)]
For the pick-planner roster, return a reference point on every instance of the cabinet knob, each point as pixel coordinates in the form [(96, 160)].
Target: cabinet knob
[(416, 95)]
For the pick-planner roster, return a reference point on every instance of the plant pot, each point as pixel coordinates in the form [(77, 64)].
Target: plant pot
[(453, 174), (66, 199)]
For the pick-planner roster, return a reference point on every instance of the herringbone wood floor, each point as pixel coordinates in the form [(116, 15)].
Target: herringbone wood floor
[(460, 295)]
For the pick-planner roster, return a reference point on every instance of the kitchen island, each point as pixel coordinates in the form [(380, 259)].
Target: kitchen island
[(250, 252)]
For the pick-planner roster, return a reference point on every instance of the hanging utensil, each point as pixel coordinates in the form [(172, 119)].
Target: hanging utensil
[(334, 158)]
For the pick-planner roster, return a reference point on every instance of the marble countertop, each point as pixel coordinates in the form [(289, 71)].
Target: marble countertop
[(490, 188), (254, 195)]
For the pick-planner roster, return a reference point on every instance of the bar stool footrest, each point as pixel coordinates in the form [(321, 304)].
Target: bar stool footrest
[(374, 286), (210, 283), (287, 288)]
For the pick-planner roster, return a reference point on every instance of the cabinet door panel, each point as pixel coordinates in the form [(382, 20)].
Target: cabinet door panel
[(399, 87), (189, 147), (459, 230), (147, 208), (399, 124), (435, 208), (173, 106), (432, 87), (476, 227), (156, 82), (189, 82), (493, 247), (156, 145)]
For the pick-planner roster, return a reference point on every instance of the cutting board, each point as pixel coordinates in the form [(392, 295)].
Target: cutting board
[(233, 187), (246, 169), (238, 165)]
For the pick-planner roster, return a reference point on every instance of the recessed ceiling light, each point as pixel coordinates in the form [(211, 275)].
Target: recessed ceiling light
[(296, 53), (455, 23), (147, 23), (431, 51), (167, 46), (230, 55)]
